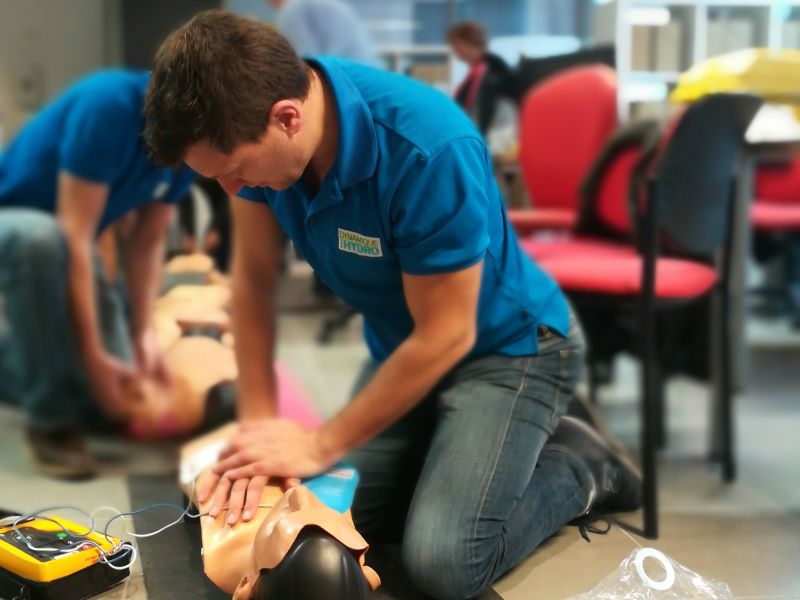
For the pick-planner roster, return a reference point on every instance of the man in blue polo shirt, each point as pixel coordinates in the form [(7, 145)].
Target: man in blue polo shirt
[(76, 168), (387, 189)]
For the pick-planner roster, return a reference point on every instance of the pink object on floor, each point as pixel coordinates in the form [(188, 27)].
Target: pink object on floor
[(293, 402)]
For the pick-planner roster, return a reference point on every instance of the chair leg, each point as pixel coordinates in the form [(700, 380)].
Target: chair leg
[(794, 280), (659, 393), (650, 425), (726, 412)]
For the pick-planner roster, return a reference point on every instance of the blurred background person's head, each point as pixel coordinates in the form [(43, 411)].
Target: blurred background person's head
[(468, 41), (325, 28)]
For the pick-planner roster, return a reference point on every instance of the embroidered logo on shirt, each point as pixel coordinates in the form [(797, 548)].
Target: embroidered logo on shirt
[(355, 243)]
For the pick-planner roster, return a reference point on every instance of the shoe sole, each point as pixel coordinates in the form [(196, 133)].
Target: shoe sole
[(620, 454), (58, 472), (599, 424)]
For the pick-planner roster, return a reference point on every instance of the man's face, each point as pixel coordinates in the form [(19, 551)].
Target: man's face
[(463, 50), (276, 161)]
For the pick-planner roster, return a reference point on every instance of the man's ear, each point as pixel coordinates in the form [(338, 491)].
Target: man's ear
[(287, 115)]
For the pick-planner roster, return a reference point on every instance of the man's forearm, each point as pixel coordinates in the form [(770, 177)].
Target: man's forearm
[(82, 302), (401, 383), (143, 268), (254, 332)]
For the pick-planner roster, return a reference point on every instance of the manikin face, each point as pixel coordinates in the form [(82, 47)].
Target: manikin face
[(277, 160), (162, 411)]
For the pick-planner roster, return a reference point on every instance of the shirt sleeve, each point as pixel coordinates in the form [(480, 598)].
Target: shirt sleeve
[(99, 139), (439, 210)]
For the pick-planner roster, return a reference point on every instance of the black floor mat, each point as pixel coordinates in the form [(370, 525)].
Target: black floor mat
[(173, 567), (171, 561)]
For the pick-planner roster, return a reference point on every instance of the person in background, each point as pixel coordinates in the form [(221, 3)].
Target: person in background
[(489, 79), (71, 349), (325, 28)]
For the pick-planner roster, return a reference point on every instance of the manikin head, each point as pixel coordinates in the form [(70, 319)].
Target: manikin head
[(202, 370), (231, 98), (308, 548)]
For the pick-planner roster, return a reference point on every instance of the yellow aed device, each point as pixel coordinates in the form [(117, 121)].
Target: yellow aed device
[(55, 559)]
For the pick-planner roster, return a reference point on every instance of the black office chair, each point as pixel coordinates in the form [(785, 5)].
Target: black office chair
[(532, 70), (684, 220)]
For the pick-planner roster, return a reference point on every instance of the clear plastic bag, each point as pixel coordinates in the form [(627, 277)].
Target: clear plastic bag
[(637, 579)]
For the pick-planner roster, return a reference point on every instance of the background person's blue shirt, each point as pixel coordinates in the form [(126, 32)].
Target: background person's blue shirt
[(413, 191), (326, 27), (93, 131)]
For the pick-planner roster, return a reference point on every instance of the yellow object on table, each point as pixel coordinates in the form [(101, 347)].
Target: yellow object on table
[(772, 74)]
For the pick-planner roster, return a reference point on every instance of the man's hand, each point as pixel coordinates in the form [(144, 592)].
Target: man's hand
[(149, 359), (114, 385), (262, 450)]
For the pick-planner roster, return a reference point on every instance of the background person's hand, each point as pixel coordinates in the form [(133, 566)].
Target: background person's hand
[(114, 384), (149, 359)]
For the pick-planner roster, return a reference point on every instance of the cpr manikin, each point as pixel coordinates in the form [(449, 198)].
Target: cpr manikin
[(294, 548), (202, 369), (202, 394)]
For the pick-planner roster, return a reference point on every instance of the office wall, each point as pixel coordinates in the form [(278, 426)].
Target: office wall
[(46, 44), (145, 24)]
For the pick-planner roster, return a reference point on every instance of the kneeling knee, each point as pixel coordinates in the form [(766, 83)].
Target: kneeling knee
[(440, 566)]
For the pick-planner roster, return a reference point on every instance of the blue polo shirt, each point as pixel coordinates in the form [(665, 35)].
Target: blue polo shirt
[(413, 191), (93, 131)]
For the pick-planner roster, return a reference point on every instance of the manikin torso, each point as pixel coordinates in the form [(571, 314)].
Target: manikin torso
[(233, 557)]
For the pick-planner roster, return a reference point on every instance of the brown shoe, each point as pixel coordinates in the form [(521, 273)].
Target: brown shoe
[(61, 454)]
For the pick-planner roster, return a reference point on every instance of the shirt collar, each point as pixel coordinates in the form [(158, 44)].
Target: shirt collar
[(357, 148)]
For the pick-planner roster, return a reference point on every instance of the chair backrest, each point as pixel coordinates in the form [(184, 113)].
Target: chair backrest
[(564, 124), (531, 71), (606, 191), (778, 182), (693, 178)]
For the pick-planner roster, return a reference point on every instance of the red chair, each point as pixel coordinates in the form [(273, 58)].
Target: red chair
[(687, 211), (604, 226), (775, 215), (604, 230), (564, 123)]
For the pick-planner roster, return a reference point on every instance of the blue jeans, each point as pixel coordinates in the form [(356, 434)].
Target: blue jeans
[(40, 368), (466, 479)]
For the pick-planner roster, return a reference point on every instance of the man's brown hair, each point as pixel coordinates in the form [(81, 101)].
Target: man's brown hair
[(215, 79), (468, 31)]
